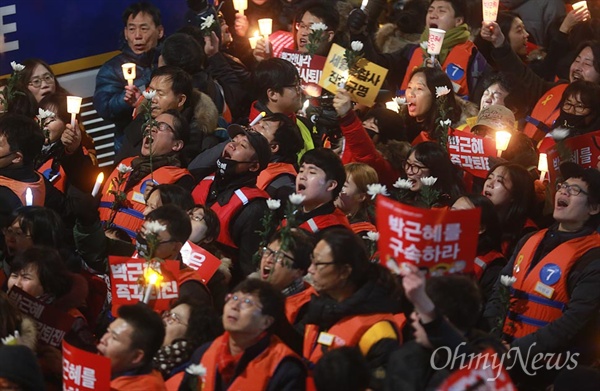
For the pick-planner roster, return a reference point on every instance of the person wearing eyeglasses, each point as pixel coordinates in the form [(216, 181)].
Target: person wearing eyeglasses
[(285, 270), (356, 305), (188, 325), (253, 353), (554, 299)]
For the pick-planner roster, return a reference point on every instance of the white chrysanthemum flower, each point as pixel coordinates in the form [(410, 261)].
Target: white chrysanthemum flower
[(45, 114), (124, 169), (508, 280), (560, 133), (447, 122), (373, 236), (296, 198), (11, 339), (400, 100), (429, 180), (357, 46), (16, 66), (377, 188), (207, 22), (196, 370), (441, 91), (154, 227), (149, 94), (403, 184), (273, 204), (423, 45), (318, 26)]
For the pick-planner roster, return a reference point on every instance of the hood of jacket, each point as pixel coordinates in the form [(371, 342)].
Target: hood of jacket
[(206, 114), (389, 38)]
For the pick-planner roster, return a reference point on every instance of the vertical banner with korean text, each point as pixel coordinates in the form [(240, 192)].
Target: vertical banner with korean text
[(84, 370), (441, 240), (127, 283), (584, 150), (200, 260), (52, 323), (363, 82), (471, 152), (310, 69)]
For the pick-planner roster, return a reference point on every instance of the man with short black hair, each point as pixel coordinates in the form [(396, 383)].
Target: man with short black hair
[(114, 99), (130, 342)]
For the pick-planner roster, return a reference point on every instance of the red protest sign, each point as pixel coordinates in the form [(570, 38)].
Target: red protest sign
[(84, 370), (52, 323), (200, 260), (442, 240), (585, 151), (480, 372), (310, 69), (126, 274), (471, 152)]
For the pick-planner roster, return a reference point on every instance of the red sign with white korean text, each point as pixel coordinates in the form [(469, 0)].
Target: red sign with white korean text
[(441, 240), (52, 323), (310, 69), (126, 276), (585, 151), (200, 260), (84, 370), (471, 152), (481, 372)]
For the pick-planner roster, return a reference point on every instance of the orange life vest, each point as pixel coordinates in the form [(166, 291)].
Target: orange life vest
[(58, 179), (238, 200), (151, 381), (318, 223), (272, 171), (294, 303), (346, 332), (173, 383), (131, 218), (363, 226), (483, 261), (456, 66), (540, 295), (258, 372), (38, 189), (545, 112)]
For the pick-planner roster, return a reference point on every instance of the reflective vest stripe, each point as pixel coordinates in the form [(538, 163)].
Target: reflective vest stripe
[(241, 196), (313, 226), (538, 299)]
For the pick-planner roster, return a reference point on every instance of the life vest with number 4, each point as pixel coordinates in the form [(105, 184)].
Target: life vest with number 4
[(540, 296)]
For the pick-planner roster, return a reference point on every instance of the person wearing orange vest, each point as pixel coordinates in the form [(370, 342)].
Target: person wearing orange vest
[(319, 182), (459, 58), (249, 355), (553, 277), (285, 270), (232, 193), (356, 305), (545, 97), (130, 342), (162, 145), (20, 141)]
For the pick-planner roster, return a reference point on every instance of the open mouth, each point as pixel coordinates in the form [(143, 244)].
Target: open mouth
[(561, 203), (302, 42), (147, 141), (300, 187), (576, 76), (433, 25), (487, 194), (265, 272)]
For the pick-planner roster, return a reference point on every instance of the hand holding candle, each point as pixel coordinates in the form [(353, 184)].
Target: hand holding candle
[(97, 185), (129, 72), (502, 140), (490, 10), (73, 106), (543, 166), (265, 26)]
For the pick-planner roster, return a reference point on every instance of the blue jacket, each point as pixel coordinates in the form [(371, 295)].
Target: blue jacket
[(110, 85)]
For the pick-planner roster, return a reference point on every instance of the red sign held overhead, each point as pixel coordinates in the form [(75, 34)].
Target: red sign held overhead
[(471, 152), (585, 151), (441, 240), (127, 288), (310, 69), (84, 370), (200, 260)]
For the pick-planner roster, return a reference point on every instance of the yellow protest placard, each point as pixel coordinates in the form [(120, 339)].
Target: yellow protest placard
[(363, 82)]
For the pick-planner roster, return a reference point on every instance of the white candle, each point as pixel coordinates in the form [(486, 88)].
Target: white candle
[(502, 140), (73, 105), (254, 40), (28, 197), (363, 6), (152, 279), (129, 72), (265, 26), (240, 5), (543, 166), (97, 185), (257, 118)]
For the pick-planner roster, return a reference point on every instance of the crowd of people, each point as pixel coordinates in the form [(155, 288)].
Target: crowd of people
[(265, 204)]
